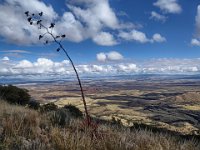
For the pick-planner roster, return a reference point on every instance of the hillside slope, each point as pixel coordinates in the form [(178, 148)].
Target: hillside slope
[(22, 128)]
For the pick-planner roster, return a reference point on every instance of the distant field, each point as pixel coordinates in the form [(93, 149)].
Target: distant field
[(170, 102)]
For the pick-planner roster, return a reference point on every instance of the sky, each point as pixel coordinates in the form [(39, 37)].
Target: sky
[(103, 37)]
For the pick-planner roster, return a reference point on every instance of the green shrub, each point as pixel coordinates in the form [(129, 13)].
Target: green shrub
[(34, 105), (74, 111), (49, 107), (15, 95), (60, 117)]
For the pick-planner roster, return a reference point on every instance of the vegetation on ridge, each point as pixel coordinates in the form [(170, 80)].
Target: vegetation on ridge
[(15, 95), (24, 128)]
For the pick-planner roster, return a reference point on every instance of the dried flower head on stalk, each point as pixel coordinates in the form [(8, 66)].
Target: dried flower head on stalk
[(36, 19)]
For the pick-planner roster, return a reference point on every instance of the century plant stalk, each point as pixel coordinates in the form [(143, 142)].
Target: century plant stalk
[(31, 20)]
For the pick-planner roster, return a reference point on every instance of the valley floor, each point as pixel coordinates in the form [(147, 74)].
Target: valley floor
[(171, 103)]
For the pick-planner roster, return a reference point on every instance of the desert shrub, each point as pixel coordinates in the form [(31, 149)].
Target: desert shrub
[(74, 111), (34, 105), (49, 107), (60, 117), (116, 121), (15, 95)]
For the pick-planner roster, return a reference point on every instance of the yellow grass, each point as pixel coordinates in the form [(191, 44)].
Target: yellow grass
[(191, 107), (22, 128)]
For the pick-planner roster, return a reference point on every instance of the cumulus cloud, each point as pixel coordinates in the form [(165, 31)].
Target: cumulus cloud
[(128, 68), (5, 58), (97, 13), (48, 68), (158, 38), (114, 56), (134, 35), (172, 66), (195, 42), (101, 57), (169, 6), (13, 21), (141, 37), (14, 27), (24, 64), (85, 19), (41, 66), (110, 56), (105, 39), (73, 29), (33, 6), (116, 69), (158, 17)]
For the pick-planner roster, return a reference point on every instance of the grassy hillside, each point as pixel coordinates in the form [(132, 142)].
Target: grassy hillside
[(23, 128)]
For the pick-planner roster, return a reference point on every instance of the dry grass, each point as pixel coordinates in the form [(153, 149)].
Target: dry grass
[(22, 128), (191, 107)]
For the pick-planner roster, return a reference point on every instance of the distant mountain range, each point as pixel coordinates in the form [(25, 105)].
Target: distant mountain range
[(149, 77)]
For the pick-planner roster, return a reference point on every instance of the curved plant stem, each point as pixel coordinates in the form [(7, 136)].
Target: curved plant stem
[(75, 70), (80, 84)]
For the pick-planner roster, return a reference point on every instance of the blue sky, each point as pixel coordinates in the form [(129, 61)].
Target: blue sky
[(125, 35)]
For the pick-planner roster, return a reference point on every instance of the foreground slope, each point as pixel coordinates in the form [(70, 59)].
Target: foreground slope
[(22, 128)]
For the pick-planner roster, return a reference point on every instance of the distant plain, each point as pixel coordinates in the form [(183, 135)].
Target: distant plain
[(170, 102)]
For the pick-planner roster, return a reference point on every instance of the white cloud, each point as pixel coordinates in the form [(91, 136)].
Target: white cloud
[(34, 6), (41, 66), (5, 58), (195, 42), (43, 62), (14, 27), (97, 13), (122, 68), (114, 56), (158, 17), (24, 64), (128, 68), (95, 69), (105, 39), (158, 38), (110, 56), (134, 35), (73, 29), (101, 57), (46, 68), (85, 19), (172, 66), (141, 37), (169, 6)]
